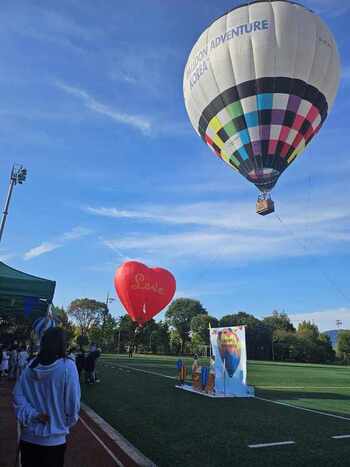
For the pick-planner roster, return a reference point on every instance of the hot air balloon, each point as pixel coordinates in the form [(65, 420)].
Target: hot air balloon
[(258, 85), (143, 291), (230, 350)]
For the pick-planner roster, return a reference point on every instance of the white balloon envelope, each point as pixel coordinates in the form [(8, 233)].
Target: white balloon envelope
[(258, 85)]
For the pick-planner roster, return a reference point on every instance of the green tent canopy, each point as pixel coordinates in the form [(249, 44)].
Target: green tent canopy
[(21, 292)]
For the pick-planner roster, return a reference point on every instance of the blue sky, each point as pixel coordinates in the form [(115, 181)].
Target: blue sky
[(92, 105)]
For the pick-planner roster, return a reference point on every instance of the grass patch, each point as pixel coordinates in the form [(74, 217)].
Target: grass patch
[(175, 428)]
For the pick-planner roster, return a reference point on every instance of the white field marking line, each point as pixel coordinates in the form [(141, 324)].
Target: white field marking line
[(262, 387), (145, 371), (116, 460), (267, 445), (256, 397), (303, 408), (341, 436), (304, 387)]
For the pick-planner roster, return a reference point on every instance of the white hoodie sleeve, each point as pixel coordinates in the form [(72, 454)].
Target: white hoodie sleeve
[(25, 412), (72, 394)]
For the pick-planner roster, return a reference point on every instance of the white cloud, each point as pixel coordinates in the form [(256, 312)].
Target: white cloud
[(41, 249), (204, 245), (49, 26), (139, 122), (46, 247), (76, 233), (229, 215), (325, 320), (150, 70), (227, 230)]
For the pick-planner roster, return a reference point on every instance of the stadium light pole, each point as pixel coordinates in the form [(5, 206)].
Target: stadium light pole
[(18, 175)]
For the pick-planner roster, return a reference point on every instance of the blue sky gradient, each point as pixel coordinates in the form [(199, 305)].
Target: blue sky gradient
[(92, 105)]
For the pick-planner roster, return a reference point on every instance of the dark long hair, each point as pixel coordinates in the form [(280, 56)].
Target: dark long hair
[(53, 346)]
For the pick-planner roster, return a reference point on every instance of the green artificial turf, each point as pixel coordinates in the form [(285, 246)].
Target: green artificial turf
[(177, 428)]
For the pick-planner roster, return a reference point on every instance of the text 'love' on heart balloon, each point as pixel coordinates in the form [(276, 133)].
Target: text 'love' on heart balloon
[(143, 291)]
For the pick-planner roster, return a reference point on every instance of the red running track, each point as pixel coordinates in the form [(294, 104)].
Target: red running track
[(88, 445)]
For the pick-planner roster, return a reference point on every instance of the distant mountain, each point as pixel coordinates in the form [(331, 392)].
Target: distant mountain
[(333, 334)]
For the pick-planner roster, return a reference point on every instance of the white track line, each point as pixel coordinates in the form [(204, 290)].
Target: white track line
[(267, 445), (256, 397), (116, 460), (303, 408), (341, 436)]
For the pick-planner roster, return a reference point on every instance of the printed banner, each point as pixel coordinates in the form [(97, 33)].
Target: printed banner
[(229, 348)]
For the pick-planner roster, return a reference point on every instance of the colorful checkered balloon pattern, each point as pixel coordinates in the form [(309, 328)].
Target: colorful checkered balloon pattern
[(261, 126)]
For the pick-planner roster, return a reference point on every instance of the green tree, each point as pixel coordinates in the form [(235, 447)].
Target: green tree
[(61, 316), (82, 341), (343, 345), (125, 331), (104, 334), (308, 330), (179, 316), (200, 327), (175, 342), (159, 341), (327, 352), (258, 334), (87, 313), (279, 321)]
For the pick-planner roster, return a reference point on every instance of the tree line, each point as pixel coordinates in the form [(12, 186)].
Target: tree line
[(185, 330)]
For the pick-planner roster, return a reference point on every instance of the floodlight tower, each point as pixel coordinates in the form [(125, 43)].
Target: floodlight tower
[(339, 323), (18, 175)]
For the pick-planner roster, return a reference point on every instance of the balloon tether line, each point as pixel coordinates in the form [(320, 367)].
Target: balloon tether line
[(304, 247)]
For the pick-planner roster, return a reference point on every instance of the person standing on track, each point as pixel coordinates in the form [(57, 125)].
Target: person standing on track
[(47, 403)]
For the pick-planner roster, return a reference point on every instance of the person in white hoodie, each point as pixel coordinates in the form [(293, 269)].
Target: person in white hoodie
[(47, 403)]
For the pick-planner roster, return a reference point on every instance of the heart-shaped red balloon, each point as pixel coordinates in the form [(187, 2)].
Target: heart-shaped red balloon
[(143, 291)]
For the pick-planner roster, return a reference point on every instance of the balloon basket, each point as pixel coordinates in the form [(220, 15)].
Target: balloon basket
[(265, 206)]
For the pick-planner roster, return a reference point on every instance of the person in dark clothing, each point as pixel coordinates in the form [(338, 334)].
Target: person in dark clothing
[(80, 361), (90, 364)]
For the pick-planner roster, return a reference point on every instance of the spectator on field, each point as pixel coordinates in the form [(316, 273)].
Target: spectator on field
[(80, 361), (98, 354), (90, 364), (71, 354), (47, 402), (23, 357), (5, 362), (13, 362)]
